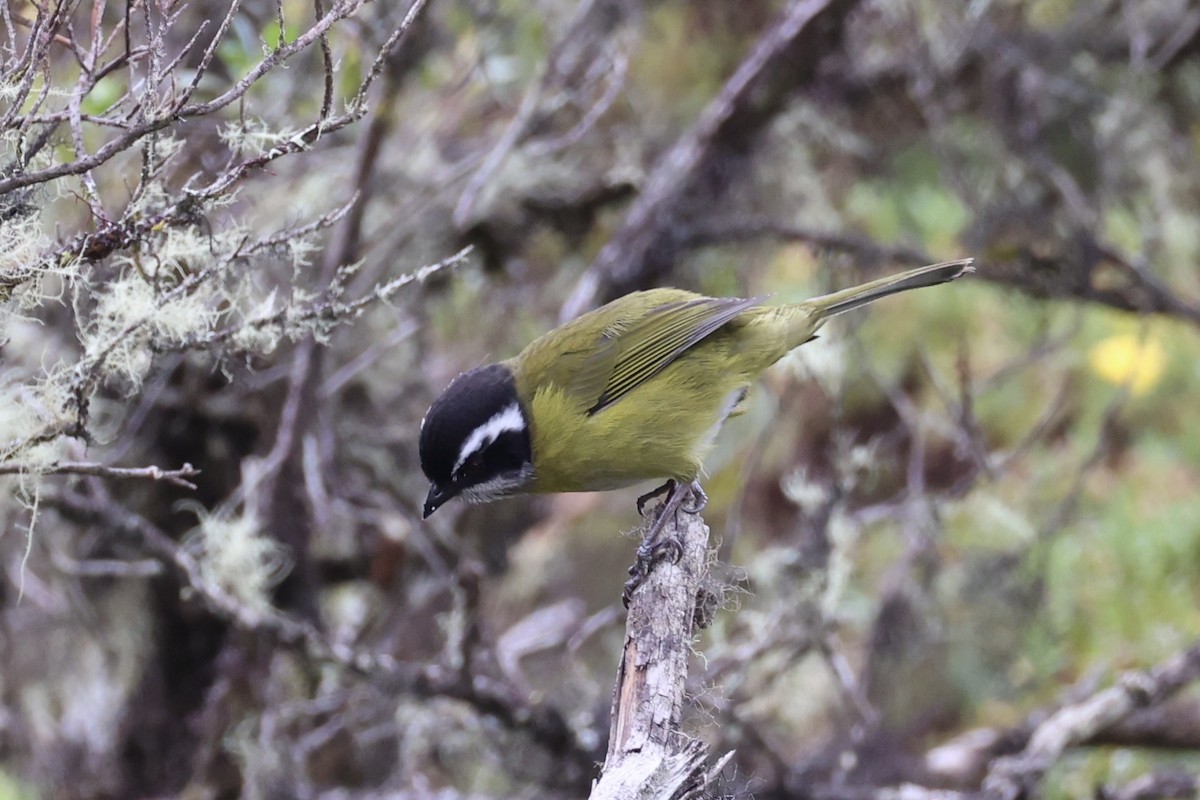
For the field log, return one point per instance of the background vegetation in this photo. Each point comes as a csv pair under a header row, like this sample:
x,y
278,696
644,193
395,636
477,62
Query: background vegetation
x,y
232,278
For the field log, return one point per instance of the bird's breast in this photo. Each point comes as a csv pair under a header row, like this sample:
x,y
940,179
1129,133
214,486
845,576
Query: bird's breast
x,y
654,433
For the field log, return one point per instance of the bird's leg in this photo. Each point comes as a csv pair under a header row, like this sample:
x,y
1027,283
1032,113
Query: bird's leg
x,y
657,491
655,547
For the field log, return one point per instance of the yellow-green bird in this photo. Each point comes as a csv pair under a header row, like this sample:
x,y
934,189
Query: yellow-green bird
x,y
634,391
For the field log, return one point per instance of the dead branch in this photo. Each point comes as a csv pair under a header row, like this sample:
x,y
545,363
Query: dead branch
x,y
586,32
747,229
963,761
178,477
648,755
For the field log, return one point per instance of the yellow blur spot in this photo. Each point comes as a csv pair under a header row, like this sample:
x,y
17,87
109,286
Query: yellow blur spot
x,y
1129,359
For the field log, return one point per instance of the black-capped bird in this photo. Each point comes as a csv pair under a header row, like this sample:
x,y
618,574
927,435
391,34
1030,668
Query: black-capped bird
x,y
633,391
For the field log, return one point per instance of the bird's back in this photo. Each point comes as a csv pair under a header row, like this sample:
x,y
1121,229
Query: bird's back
x,y
670,402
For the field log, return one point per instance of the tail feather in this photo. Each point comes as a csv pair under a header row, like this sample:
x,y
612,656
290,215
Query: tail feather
x,y
786,327
829,305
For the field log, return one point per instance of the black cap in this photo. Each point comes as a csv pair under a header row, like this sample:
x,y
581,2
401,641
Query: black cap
x,y
475,433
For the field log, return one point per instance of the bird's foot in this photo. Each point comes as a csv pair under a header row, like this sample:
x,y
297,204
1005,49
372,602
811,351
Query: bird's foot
x,y
657,491
699,500
638,571
655,546
669,549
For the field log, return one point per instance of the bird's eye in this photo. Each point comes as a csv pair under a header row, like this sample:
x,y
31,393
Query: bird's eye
x,y
473,463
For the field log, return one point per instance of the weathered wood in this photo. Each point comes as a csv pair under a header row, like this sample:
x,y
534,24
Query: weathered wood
x,y
648,755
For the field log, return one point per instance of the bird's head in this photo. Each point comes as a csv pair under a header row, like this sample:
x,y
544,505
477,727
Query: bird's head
x,y
475,439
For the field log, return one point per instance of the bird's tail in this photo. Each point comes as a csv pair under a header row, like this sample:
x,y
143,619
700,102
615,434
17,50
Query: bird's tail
x,y
829,305
802,321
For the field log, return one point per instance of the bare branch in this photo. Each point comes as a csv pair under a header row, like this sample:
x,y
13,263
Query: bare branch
x,y
177,477
181,109
1155,786
1017,776
329,312
561,63
730,231
648,756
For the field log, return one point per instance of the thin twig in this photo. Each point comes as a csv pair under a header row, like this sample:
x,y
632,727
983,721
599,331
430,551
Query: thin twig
x,y
178,477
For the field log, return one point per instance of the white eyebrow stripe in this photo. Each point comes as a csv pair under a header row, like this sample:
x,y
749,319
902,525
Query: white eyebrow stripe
x,y
510,419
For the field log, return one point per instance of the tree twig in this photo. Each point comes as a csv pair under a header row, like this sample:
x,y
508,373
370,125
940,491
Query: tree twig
x,y
178,477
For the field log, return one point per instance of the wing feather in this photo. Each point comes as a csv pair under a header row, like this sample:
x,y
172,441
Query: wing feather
x,y
632,353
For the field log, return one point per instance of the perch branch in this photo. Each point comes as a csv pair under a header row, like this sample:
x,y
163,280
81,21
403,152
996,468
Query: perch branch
x,y
648,755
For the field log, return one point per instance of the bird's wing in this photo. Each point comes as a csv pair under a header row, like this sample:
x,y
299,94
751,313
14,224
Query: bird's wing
x,y
631,352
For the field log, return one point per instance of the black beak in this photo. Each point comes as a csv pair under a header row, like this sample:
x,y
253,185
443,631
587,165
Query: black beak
x,y
436,498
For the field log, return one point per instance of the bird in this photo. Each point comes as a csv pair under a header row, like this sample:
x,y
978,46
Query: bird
x,y
633,391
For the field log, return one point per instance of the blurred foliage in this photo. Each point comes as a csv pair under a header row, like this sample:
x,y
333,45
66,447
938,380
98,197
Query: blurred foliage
x,y
12,789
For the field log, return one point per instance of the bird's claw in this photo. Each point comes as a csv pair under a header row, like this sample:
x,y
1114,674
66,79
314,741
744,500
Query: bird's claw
x,y
669,550
649,554
638,573
657,491
699,500
655,547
